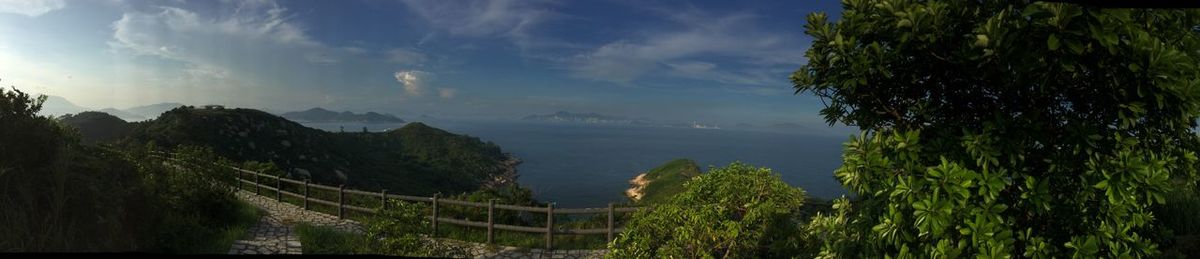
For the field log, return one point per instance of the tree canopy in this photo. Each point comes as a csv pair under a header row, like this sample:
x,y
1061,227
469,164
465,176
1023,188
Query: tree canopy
x,y
1001,128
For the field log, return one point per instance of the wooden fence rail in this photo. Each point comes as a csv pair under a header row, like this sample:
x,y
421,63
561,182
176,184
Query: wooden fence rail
x,y
549,230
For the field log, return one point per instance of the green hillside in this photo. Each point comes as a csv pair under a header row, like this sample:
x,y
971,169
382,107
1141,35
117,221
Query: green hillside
x,y
415,159
97,126
666,180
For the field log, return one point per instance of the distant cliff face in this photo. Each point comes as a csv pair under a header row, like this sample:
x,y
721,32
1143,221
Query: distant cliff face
x,y
415,159
323,115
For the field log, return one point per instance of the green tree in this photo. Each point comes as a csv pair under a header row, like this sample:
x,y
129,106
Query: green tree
x,y
1002,128
59,195
738,210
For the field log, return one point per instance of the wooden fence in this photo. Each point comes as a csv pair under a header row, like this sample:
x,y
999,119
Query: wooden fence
x,y
549,231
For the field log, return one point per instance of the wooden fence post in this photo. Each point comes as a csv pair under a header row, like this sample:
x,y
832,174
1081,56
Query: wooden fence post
x,y
278,189
238,179
256,191
610,222
491,221
305,194
549,226
341,201
435,215
383,199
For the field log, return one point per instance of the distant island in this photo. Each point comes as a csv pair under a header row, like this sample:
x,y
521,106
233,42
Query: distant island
x,y
582,117
322,115
596,118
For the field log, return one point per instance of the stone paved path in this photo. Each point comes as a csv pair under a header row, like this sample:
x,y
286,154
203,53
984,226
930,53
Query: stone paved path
x,y
275,234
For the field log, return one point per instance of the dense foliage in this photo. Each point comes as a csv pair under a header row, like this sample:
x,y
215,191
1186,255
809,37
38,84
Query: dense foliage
x,y
738,210
1001,128
60,195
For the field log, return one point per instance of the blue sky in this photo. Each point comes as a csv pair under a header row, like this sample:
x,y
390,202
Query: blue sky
x,y
718,61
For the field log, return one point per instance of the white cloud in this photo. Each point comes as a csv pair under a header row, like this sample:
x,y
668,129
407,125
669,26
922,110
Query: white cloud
x,y
447,93
413,81
253,52
734,39
406,57
31,8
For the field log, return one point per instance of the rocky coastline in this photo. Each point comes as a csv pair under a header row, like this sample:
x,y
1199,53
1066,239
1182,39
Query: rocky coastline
x,y
635,187
506,178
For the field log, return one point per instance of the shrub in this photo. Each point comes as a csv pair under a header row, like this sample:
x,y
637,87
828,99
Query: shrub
x,y
738,210
1002,128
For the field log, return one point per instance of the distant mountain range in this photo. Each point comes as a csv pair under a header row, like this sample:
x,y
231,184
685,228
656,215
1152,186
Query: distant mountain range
x,y
323,115
57,106
151,111
124,115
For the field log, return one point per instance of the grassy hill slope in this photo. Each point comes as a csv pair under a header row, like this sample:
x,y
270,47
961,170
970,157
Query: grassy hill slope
x,y
415,159
660,183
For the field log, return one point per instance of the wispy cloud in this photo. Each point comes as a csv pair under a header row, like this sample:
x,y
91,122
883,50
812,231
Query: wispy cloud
x,y
406,57
729,49
515,20
31,8
253,50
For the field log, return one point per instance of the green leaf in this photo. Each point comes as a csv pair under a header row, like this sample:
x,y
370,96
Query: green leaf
x,y
1052,42
981,41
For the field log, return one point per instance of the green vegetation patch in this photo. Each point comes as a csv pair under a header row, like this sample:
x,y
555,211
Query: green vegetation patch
x,y
735,210
328,240
666,180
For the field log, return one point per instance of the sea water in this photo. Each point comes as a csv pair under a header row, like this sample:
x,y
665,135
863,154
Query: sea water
x,y
590,165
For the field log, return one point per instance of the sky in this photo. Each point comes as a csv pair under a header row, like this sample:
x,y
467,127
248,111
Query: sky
x,y
722,62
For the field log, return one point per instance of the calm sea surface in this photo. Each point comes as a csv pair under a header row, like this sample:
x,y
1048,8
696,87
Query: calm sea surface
x,y
589,165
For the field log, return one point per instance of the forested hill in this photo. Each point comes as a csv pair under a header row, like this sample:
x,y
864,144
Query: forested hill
x,y
415,159
97,126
